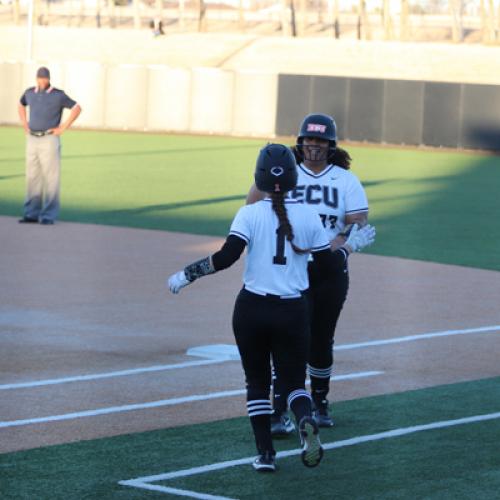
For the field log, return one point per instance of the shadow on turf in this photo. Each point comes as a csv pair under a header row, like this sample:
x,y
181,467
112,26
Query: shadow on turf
x,y
180,204
7,177
451,220
143,152
159,151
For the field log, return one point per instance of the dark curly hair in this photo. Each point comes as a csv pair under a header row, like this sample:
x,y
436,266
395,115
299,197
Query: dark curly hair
x,y
339,157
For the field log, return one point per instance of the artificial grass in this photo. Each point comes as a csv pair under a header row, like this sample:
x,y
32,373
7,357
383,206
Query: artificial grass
x,y
438,206
458,462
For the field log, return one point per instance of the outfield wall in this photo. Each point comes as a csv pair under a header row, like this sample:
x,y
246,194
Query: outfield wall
x,y
209,100
455,115
154,98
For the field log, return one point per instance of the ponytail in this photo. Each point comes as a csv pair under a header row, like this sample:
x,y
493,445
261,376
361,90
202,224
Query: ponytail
x,y
279,208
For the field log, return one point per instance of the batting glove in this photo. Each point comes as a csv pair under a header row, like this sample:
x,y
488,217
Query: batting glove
x,y
360,238
177,282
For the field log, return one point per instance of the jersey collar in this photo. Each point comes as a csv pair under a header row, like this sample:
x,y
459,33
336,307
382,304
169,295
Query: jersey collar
x,y
47,91
312,174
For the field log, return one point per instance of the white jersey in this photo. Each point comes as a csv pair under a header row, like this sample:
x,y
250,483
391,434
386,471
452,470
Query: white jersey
x,y
272,266
333,194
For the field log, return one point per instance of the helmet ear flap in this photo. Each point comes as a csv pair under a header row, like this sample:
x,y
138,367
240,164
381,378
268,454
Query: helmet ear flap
x,y
298,151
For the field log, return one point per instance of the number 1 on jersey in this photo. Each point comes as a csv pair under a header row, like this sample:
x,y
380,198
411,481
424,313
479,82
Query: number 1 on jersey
x,y
280,258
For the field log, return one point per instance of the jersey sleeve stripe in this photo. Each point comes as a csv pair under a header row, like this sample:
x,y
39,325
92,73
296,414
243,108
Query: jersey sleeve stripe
x,y
240,235
365,209
344,251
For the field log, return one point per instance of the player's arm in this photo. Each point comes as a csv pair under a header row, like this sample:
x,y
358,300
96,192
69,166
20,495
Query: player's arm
x,y
254,195
358,238
229,253
356,208
359,218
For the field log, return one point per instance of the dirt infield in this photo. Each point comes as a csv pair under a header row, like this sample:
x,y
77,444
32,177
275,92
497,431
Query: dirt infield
x,y
79,300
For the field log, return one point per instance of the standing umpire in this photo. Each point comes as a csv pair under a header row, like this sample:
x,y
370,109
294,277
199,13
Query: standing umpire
x,y
43,146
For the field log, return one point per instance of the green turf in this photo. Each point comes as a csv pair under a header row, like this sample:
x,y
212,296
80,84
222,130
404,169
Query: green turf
x,y
430,205
459,463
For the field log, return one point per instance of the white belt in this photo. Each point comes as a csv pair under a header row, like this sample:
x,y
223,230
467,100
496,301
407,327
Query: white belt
x,y
265,294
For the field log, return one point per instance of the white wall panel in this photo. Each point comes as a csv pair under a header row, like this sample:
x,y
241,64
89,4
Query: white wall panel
x,y
255,103
126,97
85,82
211,100
11,90
169,102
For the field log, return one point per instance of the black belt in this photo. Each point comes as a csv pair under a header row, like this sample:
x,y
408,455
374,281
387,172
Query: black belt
x,y
40,133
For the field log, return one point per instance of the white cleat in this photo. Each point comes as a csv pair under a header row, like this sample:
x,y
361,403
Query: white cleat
x,y
265,462
312,451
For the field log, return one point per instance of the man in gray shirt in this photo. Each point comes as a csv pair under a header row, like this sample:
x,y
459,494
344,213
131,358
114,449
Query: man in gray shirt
x,y
43,146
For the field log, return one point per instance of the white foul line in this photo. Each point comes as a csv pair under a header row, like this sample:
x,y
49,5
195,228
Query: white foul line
x,y
174,491
413,338
222,359
156,404
121,373
144,482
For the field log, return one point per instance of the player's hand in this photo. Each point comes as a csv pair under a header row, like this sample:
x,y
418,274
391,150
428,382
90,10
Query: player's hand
x,y
360,238
177,282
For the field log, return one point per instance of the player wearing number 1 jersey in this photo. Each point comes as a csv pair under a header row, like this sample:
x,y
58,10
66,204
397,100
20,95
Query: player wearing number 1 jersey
x,y
270,317
326,185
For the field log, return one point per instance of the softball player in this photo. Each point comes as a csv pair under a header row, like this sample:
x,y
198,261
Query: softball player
x,y
324,183
270,316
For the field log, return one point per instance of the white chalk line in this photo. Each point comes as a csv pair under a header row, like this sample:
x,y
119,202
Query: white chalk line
x,y
145,481
413,338
157,404
175,491
190,364
120,373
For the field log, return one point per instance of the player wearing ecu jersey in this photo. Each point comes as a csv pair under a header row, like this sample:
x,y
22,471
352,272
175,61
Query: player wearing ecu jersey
x,y
270,317
326,185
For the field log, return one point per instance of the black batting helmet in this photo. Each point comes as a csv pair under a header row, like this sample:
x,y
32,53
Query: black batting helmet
x,y
318,125
276,169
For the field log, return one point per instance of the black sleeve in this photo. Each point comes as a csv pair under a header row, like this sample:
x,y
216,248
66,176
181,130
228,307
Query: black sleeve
x,y
229,253
225,257
329,262
23,100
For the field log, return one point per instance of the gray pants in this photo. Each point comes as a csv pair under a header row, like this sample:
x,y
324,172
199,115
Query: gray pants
x,y
43,168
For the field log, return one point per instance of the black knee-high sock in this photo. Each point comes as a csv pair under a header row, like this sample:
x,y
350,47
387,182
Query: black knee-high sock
x,y
259,411
300,403
320,383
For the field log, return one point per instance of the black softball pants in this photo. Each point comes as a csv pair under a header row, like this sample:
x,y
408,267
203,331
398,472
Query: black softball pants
x,y
326,300
268,328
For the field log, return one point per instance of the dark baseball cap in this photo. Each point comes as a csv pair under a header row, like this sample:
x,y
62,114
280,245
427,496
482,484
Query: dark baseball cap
x,y
43,72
